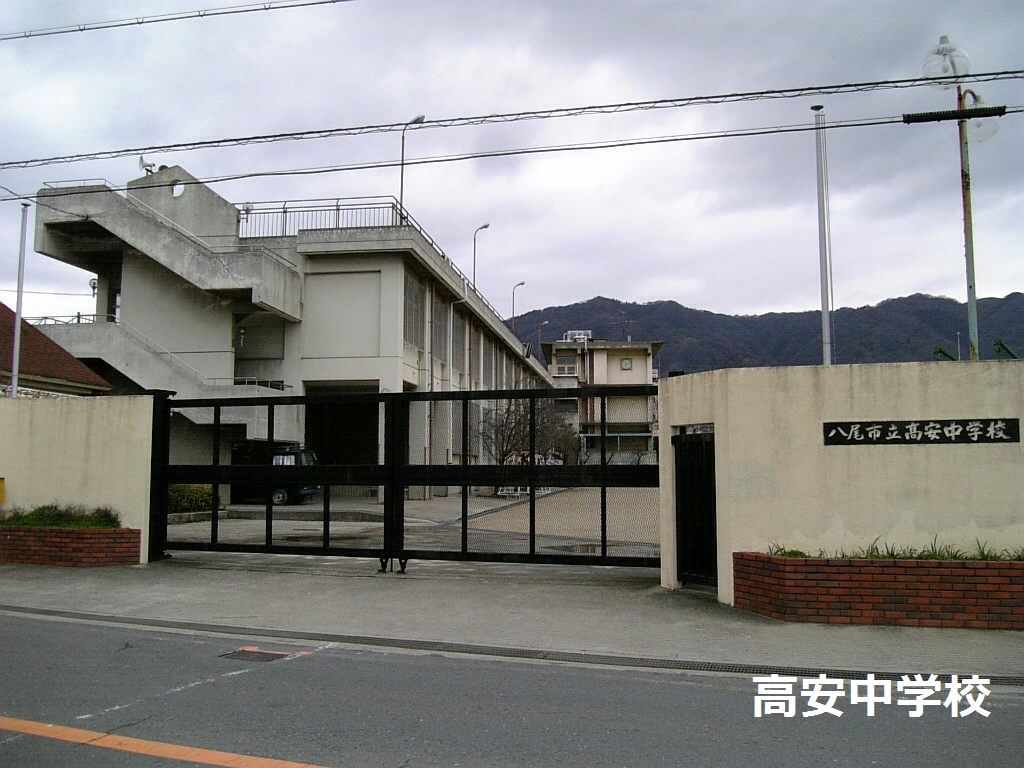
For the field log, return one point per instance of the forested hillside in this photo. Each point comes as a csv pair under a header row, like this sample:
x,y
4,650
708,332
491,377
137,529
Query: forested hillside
x,y
896,330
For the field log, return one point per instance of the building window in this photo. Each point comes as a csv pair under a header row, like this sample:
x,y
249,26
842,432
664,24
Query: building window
x,y
415,311
439,329
459,342
565,365
474,352
487,362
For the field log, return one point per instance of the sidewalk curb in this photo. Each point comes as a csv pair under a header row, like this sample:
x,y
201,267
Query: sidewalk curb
x,y
470,649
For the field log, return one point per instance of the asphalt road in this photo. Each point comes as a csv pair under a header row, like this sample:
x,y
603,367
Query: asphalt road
x,y
347,707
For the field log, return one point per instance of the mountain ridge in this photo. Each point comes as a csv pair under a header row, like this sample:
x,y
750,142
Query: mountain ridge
x,y
904,329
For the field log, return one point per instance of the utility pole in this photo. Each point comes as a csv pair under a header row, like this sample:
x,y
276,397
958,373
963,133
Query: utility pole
x,y
16,361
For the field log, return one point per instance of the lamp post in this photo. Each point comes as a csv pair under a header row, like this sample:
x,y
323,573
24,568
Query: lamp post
x,y
951,61
401,170
475,233
521,282
540,352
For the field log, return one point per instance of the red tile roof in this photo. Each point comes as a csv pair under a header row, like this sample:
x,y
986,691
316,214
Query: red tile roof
x,y
44,364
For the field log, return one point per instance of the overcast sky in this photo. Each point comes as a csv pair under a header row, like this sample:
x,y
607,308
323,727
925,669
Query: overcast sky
x,y
728,225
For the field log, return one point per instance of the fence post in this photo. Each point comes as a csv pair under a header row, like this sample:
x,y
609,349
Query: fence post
x,y
533,472
160,455
268,520
464,460
396,456
604,475
215,496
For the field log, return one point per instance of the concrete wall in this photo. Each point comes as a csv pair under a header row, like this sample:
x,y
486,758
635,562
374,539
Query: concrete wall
x,y
93,452
351,331
184,320
776,481
177,195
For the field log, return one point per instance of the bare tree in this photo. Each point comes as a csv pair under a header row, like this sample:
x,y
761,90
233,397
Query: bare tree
x,y
504,430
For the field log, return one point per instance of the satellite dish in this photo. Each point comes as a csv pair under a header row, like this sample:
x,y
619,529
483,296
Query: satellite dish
x,y
144,166
946,60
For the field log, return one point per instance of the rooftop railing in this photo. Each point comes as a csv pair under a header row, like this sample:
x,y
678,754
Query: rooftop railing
x,y
78,183
287,217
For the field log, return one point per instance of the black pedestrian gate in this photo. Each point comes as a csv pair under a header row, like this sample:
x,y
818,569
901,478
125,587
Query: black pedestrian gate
x,y
696,529
541,476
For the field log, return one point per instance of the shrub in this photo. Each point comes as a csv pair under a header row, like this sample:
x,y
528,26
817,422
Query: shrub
x,y
189,498
54,516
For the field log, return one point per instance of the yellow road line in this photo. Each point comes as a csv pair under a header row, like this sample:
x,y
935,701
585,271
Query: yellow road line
x,y
145,747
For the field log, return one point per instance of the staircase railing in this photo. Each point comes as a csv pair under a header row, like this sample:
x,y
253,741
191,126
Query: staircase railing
x,y
153,346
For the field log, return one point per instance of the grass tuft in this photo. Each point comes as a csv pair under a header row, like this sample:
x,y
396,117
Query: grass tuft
x,y
931,551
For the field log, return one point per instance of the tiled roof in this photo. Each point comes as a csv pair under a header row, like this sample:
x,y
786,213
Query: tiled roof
x,y
44,364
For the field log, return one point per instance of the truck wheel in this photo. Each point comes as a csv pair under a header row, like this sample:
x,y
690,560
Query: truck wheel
x,y
279,496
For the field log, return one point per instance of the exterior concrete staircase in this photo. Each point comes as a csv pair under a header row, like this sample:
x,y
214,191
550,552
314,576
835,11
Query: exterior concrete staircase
x,y
152,367
273,283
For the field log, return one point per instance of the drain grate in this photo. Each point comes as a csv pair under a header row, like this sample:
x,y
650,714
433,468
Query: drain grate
x,y
252,653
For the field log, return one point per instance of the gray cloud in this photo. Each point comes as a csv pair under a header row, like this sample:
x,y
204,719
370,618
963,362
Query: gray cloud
x,y
727,225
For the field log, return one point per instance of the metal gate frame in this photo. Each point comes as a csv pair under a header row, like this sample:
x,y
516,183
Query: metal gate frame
x,y
395,475
696,512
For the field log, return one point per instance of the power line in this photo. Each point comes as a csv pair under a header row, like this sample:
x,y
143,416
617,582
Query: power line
x,y
32,199
45,293
509,117
268,5
611,144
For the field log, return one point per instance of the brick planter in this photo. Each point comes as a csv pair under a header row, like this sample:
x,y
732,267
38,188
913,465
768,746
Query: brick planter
x,y
70,546
916,593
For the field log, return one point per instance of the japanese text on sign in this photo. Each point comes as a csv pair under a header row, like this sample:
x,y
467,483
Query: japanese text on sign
x,y
923,432
822,695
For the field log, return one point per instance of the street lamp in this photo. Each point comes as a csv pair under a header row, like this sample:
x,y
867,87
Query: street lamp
x,y
521,282
540,352
401,171
482,226
951,61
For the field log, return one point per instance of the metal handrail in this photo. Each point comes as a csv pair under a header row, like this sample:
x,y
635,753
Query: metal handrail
x,y
285,218
127,196
278,220
156,348
1003,352
76,319
248,247
138,335
251,381
78,183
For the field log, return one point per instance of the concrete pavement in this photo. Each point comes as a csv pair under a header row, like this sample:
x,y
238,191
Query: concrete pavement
x,y
604,615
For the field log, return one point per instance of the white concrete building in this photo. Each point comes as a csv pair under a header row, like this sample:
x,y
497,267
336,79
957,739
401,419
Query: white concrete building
x,y
579,359
209,299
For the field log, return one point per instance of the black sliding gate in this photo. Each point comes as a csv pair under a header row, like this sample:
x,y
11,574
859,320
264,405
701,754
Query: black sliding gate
x,y
541,476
